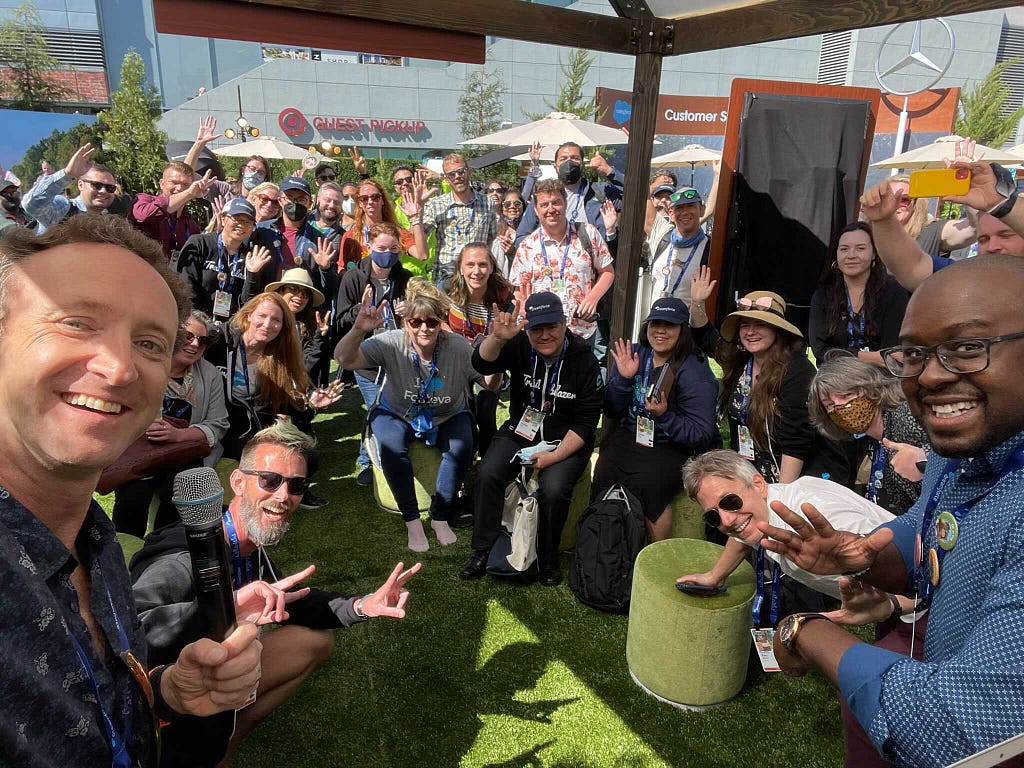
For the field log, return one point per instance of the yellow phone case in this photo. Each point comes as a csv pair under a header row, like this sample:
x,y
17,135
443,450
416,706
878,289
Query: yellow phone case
x,y
941,182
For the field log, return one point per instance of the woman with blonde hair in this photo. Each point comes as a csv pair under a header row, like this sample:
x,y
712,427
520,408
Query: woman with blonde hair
x,y
428,375
265,198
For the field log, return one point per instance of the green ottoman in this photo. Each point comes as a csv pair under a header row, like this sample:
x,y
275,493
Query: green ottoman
x,y
685,650
580,501
687,518
426,461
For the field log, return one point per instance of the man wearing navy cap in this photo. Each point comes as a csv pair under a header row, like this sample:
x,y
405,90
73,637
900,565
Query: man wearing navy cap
x,y
555,399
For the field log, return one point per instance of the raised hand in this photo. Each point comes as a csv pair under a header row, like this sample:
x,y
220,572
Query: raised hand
x,y
263,603
609,215
323,255
535,150
218,206
198,188
391,597
79,162
257,259
627,361
421,189
507,240
207,130
599,164
357,160
369,318
862,604
323,322
506,325
816,546
411,204
701,284
325,396
879,202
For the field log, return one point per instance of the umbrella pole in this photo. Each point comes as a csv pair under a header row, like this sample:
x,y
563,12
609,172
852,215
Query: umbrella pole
x,y
693,167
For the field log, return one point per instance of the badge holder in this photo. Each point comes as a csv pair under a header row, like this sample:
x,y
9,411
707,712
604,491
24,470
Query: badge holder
x,y
764,644
645,431
530,423
746,442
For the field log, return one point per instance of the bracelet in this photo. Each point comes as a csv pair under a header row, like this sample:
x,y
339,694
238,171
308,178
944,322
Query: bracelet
x,y
897,609
415,221
357,607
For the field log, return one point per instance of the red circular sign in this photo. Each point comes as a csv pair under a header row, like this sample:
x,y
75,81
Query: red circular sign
x,y
292,122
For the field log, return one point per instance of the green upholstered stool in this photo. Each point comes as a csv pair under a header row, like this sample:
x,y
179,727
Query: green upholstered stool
x,y
224,469
426,460
687,518
580,501
686,650
130,544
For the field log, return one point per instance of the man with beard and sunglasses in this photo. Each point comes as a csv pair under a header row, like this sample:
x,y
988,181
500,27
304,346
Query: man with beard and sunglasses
x,y
267,485
97,189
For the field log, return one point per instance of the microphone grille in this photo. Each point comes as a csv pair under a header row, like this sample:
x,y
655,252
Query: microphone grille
x,y
198,496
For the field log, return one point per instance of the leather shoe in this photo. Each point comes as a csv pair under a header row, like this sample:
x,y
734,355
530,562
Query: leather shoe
x,y
476,567
550,577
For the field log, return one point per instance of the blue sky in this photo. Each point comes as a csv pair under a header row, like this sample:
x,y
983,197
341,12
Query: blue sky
x,y
19,130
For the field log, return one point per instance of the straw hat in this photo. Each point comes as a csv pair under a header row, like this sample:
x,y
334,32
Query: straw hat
x,y
763,306
298,277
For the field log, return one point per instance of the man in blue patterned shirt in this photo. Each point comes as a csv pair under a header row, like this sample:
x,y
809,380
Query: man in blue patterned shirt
x,y
960,360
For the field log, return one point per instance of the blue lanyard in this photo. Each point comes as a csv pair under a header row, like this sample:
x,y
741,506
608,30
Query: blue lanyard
x,y
245,369
746,384
242,566
879,458
118,741
223,266
924,585
565,256
682,271
459,232
174,235
856,339
638,392
422,394
774,601
552,376
579,202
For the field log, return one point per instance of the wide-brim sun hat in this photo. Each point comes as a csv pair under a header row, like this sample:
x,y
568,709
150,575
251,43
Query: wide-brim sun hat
x,y
298,277
765,307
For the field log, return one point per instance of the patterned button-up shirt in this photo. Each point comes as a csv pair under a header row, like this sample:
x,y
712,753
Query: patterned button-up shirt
x,y
50,716
968,692
457,223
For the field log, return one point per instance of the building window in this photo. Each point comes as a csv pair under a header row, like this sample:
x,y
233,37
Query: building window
x,y
835,57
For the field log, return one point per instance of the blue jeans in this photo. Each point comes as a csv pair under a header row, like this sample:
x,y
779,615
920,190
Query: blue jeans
x,y
368,389
455,440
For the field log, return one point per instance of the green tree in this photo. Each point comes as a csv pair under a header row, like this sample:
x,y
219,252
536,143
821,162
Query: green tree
x,y
482,102
571,91
27,82
983,116
134,146
58,148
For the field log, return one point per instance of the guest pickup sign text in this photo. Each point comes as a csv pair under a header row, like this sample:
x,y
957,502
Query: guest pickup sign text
x,y
295,124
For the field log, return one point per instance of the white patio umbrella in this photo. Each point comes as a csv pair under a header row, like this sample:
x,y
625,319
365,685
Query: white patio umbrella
x,y
691,155
552,130
932,155
265,146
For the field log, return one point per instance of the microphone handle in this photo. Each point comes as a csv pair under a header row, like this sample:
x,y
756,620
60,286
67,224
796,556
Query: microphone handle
x,y
211,575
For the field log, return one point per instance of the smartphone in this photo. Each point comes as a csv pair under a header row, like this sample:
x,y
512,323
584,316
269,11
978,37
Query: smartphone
x,y
941,182
691,588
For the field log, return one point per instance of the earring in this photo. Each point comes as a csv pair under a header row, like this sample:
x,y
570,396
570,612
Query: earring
x,y
835,264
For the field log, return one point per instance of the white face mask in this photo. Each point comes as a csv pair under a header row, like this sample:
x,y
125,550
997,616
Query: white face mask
x,y
348,206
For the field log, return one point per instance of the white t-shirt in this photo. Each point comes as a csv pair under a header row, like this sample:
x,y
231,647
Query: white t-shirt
x,y
844,510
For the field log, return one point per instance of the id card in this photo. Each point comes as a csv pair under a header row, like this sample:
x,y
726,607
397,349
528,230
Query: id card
x,y
557,286
645,431
746,443
175,258
763,639
222,304
529,425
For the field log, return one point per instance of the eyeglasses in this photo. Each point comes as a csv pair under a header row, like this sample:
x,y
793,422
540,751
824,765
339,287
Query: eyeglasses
x,y
242,222
731,502
685,194
497,190
200,340
455,173
956,356
271,481
417,322
376,197
99,185
765,302
402,180
267,200
326,177
512,204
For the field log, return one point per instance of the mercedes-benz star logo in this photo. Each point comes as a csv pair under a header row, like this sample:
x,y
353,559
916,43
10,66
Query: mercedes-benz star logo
x,y
914,60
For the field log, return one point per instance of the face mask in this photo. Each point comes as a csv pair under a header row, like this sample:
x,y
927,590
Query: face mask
x,y
348,206
385,259
295,211
513,221
252,179
570,172
9,205
856,416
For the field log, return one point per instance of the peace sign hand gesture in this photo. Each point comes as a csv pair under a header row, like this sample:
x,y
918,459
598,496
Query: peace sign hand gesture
x,y
506,324
323,322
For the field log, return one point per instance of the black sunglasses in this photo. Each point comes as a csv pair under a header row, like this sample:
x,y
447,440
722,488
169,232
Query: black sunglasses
x,y
271,481
403,180
326,177
731,502
430,322
200,340
99,185
501,190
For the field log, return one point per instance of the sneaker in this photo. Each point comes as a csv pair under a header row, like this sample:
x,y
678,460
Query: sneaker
x,y
463,520
365,476
311,501
550,577
476,567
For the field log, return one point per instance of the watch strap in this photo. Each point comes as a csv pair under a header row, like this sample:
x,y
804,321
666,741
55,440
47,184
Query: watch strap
x,y
797,621
1006,186
1004,207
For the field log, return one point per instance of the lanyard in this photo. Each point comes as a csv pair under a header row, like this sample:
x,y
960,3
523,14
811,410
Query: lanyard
x,y
422,396
460,233
682,271
245,369
550,378
879,457
174,235
641,390
565,255
579,202
746,384
242,566
773,611
856,339
118,741
224,267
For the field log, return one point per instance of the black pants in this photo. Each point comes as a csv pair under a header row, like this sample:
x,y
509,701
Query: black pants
x,y
132,500
486,418
496,470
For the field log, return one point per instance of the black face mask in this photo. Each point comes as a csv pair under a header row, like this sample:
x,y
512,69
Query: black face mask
x,y
570,172
295,211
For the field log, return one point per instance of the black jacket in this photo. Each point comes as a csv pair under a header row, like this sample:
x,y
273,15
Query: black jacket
x,y
578,391
889,315
350,292
200,262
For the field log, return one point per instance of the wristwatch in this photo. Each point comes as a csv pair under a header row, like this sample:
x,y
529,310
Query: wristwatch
x,y
789,627
1005,186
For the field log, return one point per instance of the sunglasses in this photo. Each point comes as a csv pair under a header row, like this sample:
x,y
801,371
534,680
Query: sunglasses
x,y
497,190
267,200
905,200
326,177
512,204
401,180
417,322
271,481
685,194
456,173
200,340
731,502
376,197
765,302
99,185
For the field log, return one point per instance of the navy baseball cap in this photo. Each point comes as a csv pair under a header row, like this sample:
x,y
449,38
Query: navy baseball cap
x,y
295,182
669,310
663,188
542,308
239,206
682,196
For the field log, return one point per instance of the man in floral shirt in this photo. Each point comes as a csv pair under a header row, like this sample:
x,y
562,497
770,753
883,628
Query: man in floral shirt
x,y
557,258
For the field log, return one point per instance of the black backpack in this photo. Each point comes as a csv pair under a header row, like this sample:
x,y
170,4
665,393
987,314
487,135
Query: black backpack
x,y
609,535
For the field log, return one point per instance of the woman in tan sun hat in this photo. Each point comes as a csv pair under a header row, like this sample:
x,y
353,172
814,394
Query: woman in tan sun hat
x,y
313,325
765,382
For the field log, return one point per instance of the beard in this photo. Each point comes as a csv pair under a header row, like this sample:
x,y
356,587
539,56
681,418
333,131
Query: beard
x,y
260,532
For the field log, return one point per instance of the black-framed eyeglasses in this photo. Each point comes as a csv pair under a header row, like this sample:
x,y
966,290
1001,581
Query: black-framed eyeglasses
x,y
326,177
731,502
403,180
959,356
456,172
685,195
271,481
200,340
100,186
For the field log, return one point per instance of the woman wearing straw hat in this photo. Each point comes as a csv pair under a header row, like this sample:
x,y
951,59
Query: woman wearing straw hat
x,y
313,327
766,378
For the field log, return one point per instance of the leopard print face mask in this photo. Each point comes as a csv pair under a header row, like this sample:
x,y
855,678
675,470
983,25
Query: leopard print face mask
x,y
855,416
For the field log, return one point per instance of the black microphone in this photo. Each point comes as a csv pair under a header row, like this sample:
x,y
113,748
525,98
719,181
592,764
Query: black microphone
x,y
198,497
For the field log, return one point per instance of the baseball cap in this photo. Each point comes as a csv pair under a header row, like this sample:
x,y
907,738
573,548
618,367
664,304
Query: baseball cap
x,y
544,307
295,182
239,206
684,196
669,310
662,188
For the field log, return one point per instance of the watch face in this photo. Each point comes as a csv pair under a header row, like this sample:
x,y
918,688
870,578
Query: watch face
x,y
786,631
